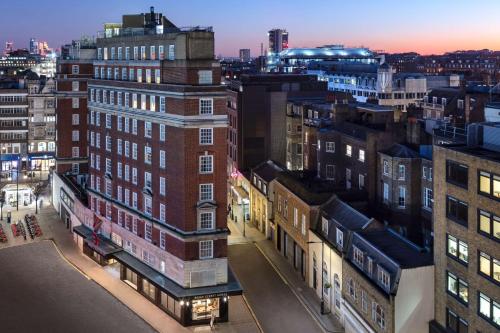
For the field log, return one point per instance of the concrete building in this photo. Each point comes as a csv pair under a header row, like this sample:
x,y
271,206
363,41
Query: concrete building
x,y
375,82
42,122
262,197
298,201
13,129
245,55
467,233
386,284
75,68
157,129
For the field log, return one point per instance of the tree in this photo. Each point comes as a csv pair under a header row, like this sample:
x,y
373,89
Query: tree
x,y
36,190
2,202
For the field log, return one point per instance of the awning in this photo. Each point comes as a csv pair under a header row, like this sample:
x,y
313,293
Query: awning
x,y
41,156
9,157
232,287
105,247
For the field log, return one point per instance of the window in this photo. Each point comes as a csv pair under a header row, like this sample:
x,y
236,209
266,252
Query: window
x,y
489,266
358,257
126,172
303,225
364,301
386,168
206,164
108,143
489,224
75,103
163,163
340,238
384,278
134,126
171,52
457,287
152,103
162,104
361,182
205,77
75,69
206,220
148,156
386,192
330,147
108,121
143,53
361,156
152,53
75,85
134,150
348,150
489,309
206,192
134,225
161,52
455,323
206,106
147,179
75,152
162,186
401,172
75,135
457,210
206,249
324,226
457,249
163,237
148,205
457,174
206,136
157,76
489,184
108,165
369,268
149,232
119,170
119,146
330,171
148,129
428,198
351,289
402,197
162,132
378,315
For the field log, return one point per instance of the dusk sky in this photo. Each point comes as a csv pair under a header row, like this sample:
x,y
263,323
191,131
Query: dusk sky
x,y
425,26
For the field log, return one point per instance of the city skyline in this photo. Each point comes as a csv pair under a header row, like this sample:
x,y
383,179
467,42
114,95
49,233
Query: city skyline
x,y
316,25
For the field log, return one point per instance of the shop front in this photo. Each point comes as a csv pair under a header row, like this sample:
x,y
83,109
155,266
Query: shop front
x,y
189,306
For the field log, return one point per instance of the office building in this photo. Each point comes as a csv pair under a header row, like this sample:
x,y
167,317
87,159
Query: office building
x,y
467,232
245,55
278,40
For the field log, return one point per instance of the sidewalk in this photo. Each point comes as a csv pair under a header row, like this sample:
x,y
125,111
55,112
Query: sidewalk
x,y
306,295
236,236
240,317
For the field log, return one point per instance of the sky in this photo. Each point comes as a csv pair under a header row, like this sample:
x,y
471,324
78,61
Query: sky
x,y
424,26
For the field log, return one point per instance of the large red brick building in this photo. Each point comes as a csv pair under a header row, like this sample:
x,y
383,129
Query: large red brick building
x,y
74,68
157,149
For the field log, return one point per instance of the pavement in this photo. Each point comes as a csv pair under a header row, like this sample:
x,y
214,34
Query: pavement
x,y
240,316
278,296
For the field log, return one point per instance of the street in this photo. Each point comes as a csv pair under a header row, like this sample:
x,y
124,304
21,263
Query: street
x,y
274,304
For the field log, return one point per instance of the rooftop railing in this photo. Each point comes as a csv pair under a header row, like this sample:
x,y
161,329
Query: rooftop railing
x,y
127,32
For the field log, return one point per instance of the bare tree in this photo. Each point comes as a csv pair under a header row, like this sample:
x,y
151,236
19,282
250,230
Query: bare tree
x,y
36,190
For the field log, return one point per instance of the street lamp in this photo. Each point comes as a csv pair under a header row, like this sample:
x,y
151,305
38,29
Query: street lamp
x,y
322,304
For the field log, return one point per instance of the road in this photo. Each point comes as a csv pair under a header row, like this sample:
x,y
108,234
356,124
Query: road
x,y
275,306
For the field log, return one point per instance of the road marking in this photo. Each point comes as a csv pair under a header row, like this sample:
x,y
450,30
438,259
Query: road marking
x,y
253,314
276,269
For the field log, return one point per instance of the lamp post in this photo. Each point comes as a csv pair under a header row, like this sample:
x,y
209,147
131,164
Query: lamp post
x,y
322,304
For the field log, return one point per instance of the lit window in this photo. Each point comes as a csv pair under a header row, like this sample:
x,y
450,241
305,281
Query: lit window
x,y
361,155
330,147
348,150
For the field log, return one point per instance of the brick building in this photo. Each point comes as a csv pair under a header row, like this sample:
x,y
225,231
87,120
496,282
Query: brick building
x,y
386,282
467,233
157,128
74,69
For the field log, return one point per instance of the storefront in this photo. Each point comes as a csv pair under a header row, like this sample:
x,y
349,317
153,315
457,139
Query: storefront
x,y
193,306
23,191
41,161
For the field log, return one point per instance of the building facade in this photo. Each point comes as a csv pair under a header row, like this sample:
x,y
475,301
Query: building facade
x,y
157,129
74,70
466,233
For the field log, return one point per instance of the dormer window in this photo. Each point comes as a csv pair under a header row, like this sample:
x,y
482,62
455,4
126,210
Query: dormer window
x,y
358,256
384,278
340,238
